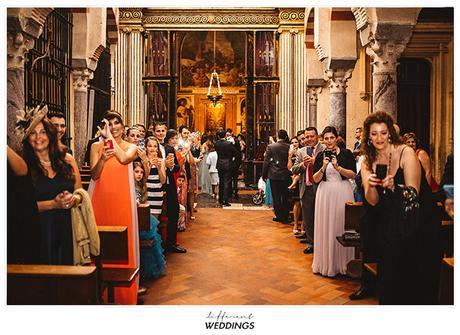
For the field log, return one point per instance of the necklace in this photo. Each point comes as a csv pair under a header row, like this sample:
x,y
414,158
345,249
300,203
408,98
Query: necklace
x,y
389,161
45,163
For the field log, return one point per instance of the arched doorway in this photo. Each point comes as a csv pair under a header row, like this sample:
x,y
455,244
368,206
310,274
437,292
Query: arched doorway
x,y
414,75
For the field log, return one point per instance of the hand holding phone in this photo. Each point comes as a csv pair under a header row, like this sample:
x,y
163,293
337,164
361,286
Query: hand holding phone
x,y
381,171
108,144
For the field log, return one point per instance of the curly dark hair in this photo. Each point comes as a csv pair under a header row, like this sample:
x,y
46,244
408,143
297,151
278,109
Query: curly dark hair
x,y
366,147
56,153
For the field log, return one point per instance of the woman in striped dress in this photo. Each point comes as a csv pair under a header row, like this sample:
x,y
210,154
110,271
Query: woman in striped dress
x,y
154,166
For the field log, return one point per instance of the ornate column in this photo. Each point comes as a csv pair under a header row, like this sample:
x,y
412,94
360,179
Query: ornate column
x,y
338,98
135,88
313,92
384,54
300,82
80,86
24,26
120,100
286,99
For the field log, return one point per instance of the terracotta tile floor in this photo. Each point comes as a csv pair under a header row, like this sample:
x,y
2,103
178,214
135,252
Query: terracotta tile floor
x,y
242,257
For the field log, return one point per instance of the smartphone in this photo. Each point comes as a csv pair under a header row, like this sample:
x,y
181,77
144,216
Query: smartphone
x,y
141,143
328,154
108,144
381,171
309,151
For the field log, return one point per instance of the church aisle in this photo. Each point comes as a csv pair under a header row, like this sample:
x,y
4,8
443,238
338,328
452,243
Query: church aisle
x,y
241,257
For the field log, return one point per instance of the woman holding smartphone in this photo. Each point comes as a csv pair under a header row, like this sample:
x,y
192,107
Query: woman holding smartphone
x,y
294,187
402,206
332,169
113,193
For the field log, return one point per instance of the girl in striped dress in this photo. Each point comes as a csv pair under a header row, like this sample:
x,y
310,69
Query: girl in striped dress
x,y
154,165
153,263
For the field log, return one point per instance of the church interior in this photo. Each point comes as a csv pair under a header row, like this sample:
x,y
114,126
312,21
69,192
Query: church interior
x,y
266,69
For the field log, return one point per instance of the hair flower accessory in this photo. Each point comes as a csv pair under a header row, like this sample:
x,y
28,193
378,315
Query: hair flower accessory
x,y
27,120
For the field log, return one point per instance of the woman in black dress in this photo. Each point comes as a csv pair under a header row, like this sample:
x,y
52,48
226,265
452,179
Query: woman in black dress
x,y
55,175
399,201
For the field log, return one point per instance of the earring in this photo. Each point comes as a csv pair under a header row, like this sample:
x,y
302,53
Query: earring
x,y
389,139
369,143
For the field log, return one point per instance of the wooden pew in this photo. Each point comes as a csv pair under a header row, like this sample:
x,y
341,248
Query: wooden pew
x,y
447,237
354,211
114,247
446,287
51,285
371,267
143,216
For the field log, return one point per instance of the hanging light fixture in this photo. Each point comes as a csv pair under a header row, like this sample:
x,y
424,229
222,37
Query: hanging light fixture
x,y
216,96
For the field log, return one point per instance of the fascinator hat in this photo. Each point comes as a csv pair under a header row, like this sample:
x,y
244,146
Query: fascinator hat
x,y
27,120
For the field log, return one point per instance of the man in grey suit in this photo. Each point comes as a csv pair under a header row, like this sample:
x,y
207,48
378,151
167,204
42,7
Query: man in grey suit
x,y
275,168
304,167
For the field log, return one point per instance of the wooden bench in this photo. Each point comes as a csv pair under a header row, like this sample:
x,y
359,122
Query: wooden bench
x,y
51,285
114,247
143,217
447,237
446,287
354,212
371,267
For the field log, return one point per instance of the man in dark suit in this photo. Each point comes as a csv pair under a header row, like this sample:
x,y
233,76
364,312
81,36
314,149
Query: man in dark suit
x,y
237,162
170,188
304,167
226,153
358,134
275,168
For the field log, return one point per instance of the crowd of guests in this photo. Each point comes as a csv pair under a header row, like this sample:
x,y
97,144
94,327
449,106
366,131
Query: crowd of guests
x,y
130,167
315,175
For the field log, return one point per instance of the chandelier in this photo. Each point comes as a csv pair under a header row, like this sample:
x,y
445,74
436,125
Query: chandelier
x,y
217,95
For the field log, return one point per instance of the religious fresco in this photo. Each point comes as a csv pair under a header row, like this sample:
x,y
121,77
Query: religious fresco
x,y
215,117
185,113
197,58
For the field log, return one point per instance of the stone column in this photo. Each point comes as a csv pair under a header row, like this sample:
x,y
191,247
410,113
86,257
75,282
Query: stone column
x,y
80,85
313,92
120,82
24,26
338,99
384,54
135,88
286,98
18,45
300,82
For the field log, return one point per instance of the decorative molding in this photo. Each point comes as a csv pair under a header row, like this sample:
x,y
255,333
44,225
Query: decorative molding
x,y
81,77
292,15
313,92
18,45
385,54
98,52
131,14
362,20
320,52
201,18
218,19
338,80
